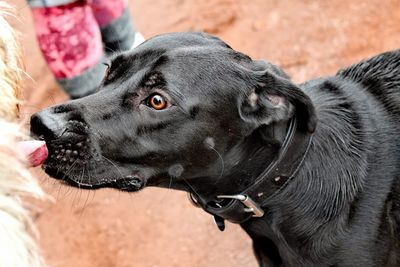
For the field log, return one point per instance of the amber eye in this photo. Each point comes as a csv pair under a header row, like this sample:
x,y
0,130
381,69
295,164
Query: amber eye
x,y
157,102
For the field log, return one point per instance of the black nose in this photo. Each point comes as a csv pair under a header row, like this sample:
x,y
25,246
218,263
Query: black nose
x,y
47,125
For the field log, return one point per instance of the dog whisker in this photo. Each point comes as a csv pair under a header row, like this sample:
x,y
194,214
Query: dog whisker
x,y
113,164
69,190
170,182
79,192
69,170
59,187
87,196
82,209
90,180
222,162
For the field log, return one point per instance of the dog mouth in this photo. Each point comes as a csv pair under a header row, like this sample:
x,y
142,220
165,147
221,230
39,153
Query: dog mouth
x,y
74,157
70,176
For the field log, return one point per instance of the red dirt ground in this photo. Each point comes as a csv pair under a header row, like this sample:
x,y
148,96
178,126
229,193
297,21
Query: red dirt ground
x,y
160,228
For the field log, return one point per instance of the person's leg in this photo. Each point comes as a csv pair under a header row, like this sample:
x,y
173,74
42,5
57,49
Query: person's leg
x,y
116,25
70,40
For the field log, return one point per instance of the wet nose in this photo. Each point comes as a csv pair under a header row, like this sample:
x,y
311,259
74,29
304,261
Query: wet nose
x,y
47,125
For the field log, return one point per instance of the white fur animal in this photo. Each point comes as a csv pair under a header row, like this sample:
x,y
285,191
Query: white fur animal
x,y
17,246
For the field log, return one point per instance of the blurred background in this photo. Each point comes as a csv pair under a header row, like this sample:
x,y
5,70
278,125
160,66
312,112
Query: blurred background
x,y
157,227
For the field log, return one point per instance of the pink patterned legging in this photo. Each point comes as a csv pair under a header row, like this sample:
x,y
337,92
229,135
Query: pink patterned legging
x,y
69,35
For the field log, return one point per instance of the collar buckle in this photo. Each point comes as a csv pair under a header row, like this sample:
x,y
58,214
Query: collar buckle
x,y
250,205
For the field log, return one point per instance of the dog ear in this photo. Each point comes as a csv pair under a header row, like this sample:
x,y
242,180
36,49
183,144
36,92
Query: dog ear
x,y
275,98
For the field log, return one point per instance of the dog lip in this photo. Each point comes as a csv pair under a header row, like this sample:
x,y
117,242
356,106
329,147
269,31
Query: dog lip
x,y
129,183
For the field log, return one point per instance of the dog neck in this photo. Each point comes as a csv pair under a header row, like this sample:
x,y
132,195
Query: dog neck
x,y
244,204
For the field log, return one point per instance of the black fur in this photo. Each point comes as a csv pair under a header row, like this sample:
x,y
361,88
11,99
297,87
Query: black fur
x,y
341,209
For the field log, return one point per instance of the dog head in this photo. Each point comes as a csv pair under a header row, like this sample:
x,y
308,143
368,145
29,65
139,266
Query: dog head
x,y
180,107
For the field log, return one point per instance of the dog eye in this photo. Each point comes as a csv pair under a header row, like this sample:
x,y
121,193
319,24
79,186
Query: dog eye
x,y
157,102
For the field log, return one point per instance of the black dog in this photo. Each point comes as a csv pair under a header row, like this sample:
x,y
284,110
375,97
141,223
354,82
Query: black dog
x,y
311,172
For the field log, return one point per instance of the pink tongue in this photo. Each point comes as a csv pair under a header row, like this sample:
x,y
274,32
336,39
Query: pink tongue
x,y
35,151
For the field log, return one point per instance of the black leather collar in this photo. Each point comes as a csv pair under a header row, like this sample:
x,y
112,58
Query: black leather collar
x,y
252,201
